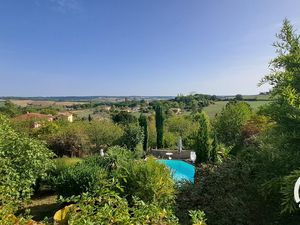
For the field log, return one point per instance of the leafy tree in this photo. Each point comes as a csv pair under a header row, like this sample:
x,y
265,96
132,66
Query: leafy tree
x,y
285,111
159,118
144,124
229,122
103,134
239,97
203,140
285,81
133,135
214,98
184,127
124,118
71,139
23,160
170,140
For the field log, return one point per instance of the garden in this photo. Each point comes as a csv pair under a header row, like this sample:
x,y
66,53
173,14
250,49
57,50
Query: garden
x,y
94,171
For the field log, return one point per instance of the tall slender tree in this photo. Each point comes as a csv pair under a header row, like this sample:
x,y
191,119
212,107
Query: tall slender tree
x,y
159,119
203,143
144,124
213,154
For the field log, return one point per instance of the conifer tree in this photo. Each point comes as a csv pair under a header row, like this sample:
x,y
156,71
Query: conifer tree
x,y
203,142
144,124
159,119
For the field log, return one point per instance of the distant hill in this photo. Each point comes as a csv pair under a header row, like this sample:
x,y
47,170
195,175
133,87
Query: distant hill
x,y
260,97
85,98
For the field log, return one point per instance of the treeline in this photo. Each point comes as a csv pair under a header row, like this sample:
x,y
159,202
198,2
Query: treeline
x,y
12,110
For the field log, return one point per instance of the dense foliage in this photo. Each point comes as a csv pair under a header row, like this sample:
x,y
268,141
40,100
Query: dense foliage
x,y
117,188
149,181
144,125
159,119
124,118
203,140
79,178
23,160
104,134
228,124
133,135
256,185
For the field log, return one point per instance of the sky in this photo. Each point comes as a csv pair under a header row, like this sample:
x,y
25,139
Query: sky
x,y
138,47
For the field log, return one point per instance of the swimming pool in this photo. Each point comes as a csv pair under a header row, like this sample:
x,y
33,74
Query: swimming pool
x,y
180,169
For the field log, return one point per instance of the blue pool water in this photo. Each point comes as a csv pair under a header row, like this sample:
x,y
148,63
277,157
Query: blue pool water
x,y
181,170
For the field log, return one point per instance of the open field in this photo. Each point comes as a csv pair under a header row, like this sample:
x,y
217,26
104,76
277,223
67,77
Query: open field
x,y
213,109
24,103
84,113
257,97
247,97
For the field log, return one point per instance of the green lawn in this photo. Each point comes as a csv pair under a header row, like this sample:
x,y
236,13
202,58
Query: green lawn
x,y
212,109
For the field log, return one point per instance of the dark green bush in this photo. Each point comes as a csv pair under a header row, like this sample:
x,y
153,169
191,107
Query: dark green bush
x,y
80,178
224,193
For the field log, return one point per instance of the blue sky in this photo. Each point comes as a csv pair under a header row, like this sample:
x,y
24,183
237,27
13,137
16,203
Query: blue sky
x,y
138,47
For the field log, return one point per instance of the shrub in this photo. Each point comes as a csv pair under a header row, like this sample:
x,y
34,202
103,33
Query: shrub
x,y
65,162
198,217
61,164
119,154
131,192
150,181
23,160
80,178
224,193
109,208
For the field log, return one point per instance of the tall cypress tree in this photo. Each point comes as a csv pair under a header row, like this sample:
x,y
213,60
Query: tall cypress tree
x,y
203,146
213,155
159,119
144,124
